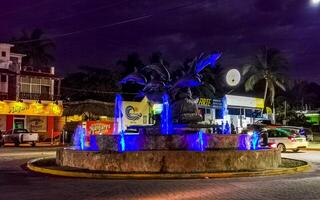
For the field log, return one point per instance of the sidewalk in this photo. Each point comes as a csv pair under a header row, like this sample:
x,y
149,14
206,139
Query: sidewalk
x,y
315,146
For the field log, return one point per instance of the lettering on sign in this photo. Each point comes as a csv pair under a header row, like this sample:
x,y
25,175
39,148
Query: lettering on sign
x,y
204,102
132,113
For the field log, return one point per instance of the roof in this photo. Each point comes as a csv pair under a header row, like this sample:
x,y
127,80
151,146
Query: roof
x,y
6,71
40,74
98,108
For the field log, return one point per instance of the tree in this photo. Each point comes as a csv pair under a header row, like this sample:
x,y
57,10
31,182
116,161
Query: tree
x,y
267,66
90,83
35,46
156,81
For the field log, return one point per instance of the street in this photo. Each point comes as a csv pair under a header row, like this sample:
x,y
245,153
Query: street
x,y
17,183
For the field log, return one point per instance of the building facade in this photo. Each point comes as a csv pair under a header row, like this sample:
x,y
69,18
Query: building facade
x,y
29,95
237,110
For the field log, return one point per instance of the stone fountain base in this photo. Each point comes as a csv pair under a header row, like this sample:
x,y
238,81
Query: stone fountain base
x,y
170,161
186,142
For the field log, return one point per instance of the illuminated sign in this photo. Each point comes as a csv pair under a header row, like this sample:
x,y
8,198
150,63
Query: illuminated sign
x,y
99,127
35,108
204,102
135,113
241,101
213,103
157,108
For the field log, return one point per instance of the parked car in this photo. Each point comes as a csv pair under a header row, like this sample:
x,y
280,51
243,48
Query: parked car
x,y
300,130
284,139
19,136
264,121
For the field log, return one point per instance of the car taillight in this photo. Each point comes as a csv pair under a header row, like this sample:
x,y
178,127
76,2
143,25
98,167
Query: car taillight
x,y
292,139
273,145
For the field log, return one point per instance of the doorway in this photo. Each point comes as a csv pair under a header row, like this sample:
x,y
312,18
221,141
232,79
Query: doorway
x,y
19,123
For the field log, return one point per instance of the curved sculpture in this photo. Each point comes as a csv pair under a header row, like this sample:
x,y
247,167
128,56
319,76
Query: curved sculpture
x,y
158,81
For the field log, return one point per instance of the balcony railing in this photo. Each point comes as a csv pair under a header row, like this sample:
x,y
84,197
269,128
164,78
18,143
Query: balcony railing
x,y
37,96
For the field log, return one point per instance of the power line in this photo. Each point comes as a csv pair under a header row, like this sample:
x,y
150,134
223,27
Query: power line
x,y
96,91
134,19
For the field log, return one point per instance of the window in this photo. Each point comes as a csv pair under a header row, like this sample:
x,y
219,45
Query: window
x,y
25,88
234,111
208,111
3,54
3,78
219,114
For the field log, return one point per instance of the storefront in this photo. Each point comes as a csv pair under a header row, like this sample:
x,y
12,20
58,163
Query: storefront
x,y
243,110
210,110
237,110
41,117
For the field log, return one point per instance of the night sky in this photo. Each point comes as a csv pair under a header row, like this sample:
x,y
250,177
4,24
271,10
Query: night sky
x,y
99,32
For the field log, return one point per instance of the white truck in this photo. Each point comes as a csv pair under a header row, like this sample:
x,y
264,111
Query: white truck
x,y
19,136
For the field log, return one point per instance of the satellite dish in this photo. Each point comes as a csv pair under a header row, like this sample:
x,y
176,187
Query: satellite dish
x,y
233,77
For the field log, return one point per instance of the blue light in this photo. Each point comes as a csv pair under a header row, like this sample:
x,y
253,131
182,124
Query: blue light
x,y
209,60
166,116
93,143
224,112
243,143
122,142
118,116
118,122
79,138
255,140
226,128
200,139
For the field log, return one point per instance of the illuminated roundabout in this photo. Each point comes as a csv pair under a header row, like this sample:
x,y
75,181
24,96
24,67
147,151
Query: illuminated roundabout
x,y
177,153
176,146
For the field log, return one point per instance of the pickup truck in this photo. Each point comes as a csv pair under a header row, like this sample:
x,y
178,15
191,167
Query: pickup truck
x,y
19,136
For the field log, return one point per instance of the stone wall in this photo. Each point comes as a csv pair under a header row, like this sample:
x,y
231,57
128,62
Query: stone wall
x,y
170,161
166,142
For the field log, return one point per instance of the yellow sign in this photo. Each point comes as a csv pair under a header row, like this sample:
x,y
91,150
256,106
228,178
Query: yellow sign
x,y
136,113
259,103
204,102
35,108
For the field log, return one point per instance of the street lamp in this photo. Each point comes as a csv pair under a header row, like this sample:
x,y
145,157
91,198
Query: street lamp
x,y
233,77
315,2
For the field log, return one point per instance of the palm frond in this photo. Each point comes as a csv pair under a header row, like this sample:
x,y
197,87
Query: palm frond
x,y
280,85
252,81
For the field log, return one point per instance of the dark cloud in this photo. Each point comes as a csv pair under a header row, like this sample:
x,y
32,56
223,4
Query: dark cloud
x,y
179,29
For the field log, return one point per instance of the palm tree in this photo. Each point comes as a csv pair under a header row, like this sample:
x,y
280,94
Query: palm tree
x,y
267,66
156,81
36,47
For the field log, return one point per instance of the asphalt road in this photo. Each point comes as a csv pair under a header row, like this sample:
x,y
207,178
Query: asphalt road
x,y
17,183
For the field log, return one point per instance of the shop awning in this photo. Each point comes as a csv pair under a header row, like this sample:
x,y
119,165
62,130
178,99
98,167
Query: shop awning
x,y
93,107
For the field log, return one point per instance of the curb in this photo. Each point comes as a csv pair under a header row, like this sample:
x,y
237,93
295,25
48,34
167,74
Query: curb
x,y
312,149
282,171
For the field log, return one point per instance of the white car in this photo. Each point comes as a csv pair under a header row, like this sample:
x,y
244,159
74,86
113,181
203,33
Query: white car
x,y
18,136
300,130
284,139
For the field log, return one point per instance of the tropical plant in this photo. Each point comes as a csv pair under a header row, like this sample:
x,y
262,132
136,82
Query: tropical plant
x,y
156,81
35,46
156,78
90,83
267,66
